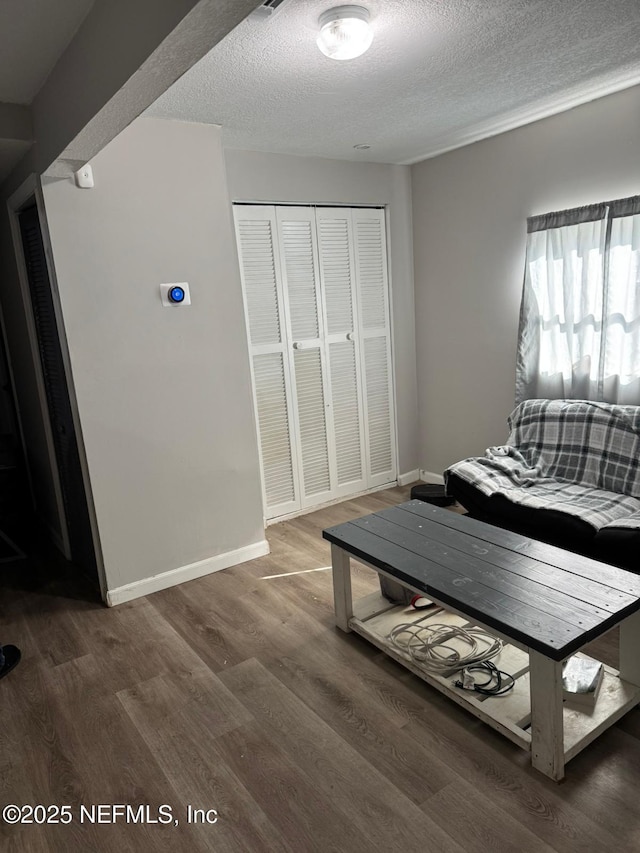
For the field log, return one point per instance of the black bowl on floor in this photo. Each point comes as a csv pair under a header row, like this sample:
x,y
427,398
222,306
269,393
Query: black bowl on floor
x,y
432,493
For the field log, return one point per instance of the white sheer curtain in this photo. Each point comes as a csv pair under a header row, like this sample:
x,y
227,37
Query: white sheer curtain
x,y
621,370
579,332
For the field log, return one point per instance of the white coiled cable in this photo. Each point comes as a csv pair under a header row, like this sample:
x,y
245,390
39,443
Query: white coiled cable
x,y
428,645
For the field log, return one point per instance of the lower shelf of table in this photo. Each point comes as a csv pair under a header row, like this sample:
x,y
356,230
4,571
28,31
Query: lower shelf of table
x,y
374,617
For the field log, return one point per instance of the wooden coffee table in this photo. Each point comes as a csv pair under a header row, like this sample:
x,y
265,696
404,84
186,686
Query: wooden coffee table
x,y
543,602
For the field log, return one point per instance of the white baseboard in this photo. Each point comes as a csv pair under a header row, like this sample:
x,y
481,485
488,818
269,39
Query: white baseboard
x,y
186,573
430,477
409,477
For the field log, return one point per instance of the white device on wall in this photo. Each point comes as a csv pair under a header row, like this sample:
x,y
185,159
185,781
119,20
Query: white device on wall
x,y
175,295
84,177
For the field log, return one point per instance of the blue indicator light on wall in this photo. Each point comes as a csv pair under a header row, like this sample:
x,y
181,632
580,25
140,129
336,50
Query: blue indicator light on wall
x,y
175,294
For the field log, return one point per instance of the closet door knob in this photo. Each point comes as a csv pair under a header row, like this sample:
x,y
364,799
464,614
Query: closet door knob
x,y
297,345
350,336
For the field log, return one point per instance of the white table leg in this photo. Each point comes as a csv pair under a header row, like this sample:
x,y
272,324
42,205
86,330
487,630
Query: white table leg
x,y
547,735
630,649
342,599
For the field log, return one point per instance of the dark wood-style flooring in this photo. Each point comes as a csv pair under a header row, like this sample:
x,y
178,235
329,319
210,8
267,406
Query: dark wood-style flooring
x,y
236,693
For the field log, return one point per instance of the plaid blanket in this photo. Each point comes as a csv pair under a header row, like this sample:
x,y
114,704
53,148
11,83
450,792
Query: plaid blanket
x,y
574,456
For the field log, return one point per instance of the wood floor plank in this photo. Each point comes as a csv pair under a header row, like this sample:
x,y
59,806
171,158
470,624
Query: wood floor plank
x,y
610,765
494,765
194,622
480,825
232,630
28,839
282,790
133,644
183,738
200,697
22,779
383,815
85,753
345,702
102,729
54,633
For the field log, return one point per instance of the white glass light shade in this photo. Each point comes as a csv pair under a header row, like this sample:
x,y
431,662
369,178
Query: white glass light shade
x,y
344,32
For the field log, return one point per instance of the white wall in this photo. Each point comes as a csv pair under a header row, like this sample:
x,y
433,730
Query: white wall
x,y
469,214
260,177
163,394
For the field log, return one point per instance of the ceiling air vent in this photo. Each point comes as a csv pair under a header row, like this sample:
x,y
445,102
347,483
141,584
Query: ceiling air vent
x,y
268,8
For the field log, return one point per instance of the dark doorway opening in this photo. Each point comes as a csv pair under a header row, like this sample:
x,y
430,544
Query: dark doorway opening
x,y
60,414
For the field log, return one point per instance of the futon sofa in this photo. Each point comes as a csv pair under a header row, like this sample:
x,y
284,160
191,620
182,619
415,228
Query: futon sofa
x,y
568,474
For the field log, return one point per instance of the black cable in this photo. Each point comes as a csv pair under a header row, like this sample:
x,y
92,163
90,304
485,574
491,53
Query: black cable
x,y
495,675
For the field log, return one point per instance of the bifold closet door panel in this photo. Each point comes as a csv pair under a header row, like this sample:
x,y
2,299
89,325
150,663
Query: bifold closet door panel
x,y
337,277
303,309
256,233
375,343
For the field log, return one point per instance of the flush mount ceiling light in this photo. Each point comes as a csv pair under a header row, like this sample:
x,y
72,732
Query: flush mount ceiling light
x,y
344,32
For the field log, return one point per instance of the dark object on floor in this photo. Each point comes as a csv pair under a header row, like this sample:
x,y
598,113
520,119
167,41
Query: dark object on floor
x,y
10,657
394,591
432,493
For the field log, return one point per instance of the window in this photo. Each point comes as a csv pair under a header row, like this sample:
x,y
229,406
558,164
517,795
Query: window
x,y
579,334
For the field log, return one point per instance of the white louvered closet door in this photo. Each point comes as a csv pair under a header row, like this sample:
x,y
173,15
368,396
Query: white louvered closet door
x,y
337,276
302,301
256,234
375,343
316,298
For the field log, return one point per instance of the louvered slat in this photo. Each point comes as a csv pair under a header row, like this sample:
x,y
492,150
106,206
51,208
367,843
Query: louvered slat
x,y
273,422
335,259
297,250
377,379
372,274
258,266
312,422
346,411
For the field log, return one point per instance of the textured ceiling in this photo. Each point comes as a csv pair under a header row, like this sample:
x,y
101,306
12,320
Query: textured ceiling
x,y
440,73
33,35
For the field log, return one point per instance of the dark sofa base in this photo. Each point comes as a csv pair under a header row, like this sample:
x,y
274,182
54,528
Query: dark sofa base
x,y
616,547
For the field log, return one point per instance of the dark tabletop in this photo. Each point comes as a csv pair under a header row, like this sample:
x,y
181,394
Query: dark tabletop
x,y
549,599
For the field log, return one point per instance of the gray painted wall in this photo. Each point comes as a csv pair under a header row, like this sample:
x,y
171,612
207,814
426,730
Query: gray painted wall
x,y
260,177
163,394
469,214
